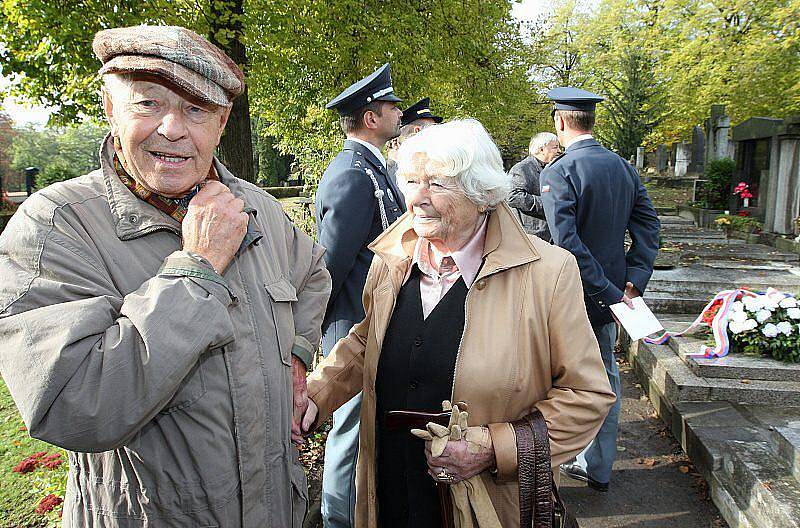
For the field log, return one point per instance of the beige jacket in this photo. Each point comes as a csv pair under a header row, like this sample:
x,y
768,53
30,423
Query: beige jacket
x,y
171,386
527,344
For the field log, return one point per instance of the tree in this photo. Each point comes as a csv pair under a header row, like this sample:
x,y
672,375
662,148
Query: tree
x,y
6,143
297,54
60,153
634,105
55,65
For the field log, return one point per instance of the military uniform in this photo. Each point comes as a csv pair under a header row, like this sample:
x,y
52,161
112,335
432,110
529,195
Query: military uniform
x,y
356,201
591,197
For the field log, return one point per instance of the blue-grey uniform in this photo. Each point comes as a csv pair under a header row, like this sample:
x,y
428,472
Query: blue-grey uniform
x,y
356,200
591,197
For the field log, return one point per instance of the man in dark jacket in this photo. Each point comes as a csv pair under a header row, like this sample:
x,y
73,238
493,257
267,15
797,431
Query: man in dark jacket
x,y
591,197
356,201
524,196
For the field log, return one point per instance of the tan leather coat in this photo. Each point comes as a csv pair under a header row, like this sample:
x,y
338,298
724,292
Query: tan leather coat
x,y
527,344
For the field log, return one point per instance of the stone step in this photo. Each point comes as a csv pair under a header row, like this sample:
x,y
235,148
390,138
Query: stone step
x,y
750,479
664,302
705,281
731,250
767,495
667,211
675,380
669,220
733,366
783,431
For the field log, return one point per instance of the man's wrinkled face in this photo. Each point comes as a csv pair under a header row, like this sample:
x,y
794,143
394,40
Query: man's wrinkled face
x,y
549,152
167,138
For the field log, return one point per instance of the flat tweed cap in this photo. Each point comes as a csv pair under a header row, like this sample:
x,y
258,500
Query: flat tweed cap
x,y
176,54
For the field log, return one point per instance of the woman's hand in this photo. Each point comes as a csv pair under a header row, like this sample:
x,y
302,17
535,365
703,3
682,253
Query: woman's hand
x,y
462,459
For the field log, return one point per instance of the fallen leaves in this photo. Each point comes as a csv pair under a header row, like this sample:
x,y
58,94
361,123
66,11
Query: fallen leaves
x,y
647,462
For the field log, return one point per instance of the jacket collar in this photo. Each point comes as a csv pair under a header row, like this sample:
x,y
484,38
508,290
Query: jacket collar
x,y
134,217
583,143
506,245
355,146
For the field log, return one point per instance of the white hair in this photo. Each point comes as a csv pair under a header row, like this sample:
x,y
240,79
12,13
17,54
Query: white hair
x,y
117,84
461,149
540,141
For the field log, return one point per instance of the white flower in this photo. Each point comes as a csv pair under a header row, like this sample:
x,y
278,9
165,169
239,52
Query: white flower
x,y
750,324
770,330
770,303
794,313
788,302
735,327
785,327
737,306
752,304
763,315
739,317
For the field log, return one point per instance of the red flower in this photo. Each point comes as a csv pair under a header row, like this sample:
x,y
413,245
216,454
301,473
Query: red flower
x,y
29,464
743,213
47,504
52,464
26,466
708,315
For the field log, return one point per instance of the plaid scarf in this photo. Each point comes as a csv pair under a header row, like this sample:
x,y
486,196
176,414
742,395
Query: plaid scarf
x,y
174,207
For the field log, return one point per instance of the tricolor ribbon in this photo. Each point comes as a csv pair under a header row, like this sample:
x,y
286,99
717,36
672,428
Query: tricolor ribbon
x,y
719,325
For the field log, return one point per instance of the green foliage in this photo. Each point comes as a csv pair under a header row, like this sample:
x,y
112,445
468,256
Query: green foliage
x,y
465,54
58,153
20,493
745,224
716,190
741,53
635,105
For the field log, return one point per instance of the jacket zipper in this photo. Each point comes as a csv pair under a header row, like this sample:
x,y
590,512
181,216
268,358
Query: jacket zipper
x,y
464,331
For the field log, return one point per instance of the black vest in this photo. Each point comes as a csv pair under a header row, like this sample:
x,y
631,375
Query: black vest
x,y
415,372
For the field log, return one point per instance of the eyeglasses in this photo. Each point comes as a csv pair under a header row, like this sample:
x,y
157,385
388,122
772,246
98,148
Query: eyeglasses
x,y
553,113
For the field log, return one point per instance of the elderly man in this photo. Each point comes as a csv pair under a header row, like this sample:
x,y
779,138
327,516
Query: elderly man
x,y
525,197
151,312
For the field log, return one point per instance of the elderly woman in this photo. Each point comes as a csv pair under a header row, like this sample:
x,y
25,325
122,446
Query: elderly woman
x,y
461,305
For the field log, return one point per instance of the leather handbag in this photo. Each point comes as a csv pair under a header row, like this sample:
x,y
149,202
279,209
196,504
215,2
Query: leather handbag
x,y
539,502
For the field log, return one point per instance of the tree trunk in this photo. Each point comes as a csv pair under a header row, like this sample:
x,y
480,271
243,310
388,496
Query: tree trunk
x,y
236,145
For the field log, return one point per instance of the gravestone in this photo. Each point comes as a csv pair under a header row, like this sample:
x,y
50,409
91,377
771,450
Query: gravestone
x,y
683,154
662,156
639,158
697,164
717,142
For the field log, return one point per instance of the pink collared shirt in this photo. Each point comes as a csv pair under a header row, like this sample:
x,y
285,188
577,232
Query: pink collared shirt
x,y
464,262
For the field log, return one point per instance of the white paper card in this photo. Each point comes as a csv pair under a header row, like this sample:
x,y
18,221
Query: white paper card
x,y
638,322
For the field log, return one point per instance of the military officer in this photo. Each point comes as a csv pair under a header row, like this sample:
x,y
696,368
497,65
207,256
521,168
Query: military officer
x,y
591,197
356,201
415,118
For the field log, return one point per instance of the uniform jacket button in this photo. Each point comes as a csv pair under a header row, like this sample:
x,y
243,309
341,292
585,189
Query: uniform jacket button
x,y
481,284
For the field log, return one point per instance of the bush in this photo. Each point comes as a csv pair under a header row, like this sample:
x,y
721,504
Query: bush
x,y
745,224
716,191
59,170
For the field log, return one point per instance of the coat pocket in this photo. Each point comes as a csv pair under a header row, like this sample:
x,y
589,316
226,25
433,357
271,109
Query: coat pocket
x,y
299,494
282,294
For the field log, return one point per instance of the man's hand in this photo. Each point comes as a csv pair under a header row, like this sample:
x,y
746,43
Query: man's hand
x,y
310,416
630,293
215,225
299,399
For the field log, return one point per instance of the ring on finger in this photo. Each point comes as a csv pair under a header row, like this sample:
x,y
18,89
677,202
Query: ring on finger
x,y
444,476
